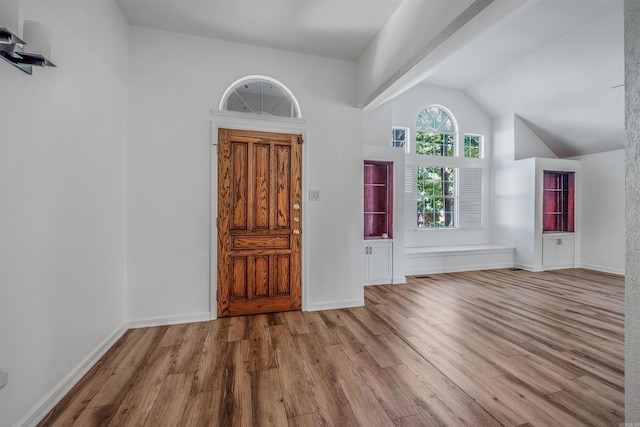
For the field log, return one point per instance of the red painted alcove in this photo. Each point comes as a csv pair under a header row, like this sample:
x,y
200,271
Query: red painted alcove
x,y
378,199
558,202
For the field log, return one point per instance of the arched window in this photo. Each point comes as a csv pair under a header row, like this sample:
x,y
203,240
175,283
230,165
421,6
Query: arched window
x,y
436,132
260,95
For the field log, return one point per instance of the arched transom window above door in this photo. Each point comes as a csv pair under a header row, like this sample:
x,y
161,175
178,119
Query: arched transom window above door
x,y
260,95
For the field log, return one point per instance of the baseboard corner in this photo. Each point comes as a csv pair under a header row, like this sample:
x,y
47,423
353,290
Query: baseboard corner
x,y
53,397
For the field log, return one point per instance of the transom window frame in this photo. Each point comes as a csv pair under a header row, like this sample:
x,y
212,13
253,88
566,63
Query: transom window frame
x,y
397,142
480,139
439,127
251,79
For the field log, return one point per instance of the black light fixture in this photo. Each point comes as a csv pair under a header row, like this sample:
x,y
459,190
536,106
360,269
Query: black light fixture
x,y
36,36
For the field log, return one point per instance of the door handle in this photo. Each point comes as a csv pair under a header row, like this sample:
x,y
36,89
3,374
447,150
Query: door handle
x,y
296,231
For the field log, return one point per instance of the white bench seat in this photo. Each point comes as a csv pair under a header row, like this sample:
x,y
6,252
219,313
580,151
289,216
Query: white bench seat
x,y
443,259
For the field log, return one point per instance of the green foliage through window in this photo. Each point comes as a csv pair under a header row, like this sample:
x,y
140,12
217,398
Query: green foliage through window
x,y
435,132
440,144
436,197
472,146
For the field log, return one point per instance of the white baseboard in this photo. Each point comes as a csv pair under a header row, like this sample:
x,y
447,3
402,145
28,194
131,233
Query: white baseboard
x,y
51,399
399,280
528,267
332,305
619,271
169,320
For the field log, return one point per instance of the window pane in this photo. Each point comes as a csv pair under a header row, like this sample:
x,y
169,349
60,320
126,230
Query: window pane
x,y
260,97
435,144
435,119
435,132
399,137
472,146
435,197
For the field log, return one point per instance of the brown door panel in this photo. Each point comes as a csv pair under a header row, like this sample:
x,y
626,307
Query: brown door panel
x,y
259,222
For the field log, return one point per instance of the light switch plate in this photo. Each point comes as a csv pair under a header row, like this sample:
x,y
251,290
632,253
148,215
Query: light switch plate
x,y
314,195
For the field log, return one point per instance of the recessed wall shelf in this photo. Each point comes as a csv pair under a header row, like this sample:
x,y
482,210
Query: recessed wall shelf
x,y
378,199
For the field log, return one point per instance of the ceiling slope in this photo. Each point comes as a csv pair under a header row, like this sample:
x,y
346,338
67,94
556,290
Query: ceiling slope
x,y
332,28
560,68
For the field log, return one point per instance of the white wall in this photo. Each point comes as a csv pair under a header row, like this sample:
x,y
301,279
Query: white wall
x,y
527,143
513,203
62,204
603,219
175,82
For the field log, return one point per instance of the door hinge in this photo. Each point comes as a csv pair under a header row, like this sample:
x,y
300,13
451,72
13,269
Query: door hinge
x,y
300,140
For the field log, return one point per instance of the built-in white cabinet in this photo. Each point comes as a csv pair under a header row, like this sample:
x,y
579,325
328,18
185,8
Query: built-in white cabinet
x,y
557,250
378,261
542,213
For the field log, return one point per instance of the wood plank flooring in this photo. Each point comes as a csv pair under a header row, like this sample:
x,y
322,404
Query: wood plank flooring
x,y
487,348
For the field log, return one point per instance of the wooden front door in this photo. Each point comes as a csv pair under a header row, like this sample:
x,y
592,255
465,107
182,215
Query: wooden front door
x,y
259,222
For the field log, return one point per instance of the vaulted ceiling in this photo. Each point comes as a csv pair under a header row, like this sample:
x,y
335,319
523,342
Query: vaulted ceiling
x,y
558,64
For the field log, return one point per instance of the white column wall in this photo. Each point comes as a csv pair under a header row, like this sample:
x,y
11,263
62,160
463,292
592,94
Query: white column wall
x,y
377,146
602,219
62,205
632,180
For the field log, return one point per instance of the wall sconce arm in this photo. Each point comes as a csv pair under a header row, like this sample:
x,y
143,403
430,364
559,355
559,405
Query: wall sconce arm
x,y
11,50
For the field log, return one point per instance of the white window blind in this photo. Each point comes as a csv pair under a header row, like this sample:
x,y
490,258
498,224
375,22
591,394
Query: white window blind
x,y
410,196
470,198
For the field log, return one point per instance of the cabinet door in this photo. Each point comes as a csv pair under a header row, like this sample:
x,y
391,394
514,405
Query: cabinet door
x,y
549,251
565,251
378,262
557,251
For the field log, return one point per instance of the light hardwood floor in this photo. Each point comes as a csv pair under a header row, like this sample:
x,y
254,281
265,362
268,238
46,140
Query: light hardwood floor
x,y
487,348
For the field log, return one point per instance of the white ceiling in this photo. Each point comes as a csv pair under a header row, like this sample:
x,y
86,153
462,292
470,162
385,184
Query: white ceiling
x,y
333,28
552,62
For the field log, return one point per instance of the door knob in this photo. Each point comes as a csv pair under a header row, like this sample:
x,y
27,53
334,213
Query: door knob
x,y
296,231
